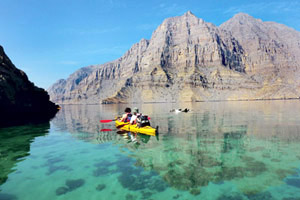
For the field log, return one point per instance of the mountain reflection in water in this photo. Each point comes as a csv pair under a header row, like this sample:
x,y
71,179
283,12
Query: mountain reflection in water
x,y
239,142
218,150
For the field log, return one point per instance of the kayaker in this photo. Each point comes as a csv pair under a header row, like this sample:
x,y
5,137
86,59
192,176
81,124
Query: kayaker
x,y
134,116
180,110
143,120
127,115
185,110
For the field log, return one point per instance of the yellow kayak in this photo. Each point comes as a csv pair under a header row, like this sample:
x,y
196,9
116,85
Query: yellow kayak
x,y
147,130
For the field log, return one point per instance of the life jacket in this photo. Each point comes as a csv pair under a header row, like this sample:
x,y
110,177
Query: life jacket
x,y
137,116
128,117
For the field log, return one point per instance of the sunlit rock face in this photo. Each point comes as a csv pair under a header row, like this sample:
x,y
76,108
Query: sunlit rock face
x,y
20,100
188,59
272,55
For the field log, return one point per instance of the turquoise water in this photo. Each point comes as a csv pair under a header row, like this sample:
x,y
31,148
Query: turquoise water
x,y
219,150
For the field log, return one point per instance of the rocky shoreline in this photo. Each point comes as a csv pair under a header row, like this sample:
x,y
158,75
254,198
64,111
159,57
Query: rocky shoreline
x,y
21,102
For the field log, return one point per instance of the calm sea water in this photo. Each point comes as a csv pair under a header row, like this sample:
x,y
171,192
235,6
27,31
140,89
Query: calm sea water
x,y
217,151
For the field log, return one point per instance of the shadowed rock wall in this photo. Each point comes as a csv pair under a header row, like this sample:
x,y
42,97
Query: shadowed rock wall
x,y
20,100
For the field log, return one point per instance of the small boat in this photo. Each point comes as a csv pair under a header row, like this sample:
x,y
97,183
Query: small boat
x,y
126,126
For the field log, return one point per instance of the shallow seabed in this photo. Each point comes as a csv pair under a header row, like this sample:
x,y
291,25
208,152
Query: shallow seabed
x,y
217,151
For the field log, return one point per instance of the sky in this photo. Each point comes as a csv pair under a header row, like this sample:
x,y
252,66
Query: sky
x,y
50,39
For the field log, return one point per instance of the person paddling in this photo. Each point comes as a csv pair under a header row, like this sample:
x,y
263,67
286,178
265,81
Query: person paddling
x,y
127,115
135,115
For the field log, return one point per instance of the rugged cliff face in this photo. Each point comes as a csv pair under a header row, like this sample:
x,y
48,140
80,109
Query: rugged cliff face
x,y
272,55
188,59
20,100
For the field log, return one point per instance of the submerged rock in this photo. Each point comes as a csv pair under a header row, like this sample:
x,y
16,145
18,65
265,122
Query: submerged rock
x,y
74,184
130,197
61,191
231,197
8,197
293,182
261,196
195,191
101,187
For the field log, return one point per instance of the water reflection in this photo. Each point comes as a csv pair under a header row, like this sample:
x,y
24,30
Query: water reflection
x,y
252,146
15,145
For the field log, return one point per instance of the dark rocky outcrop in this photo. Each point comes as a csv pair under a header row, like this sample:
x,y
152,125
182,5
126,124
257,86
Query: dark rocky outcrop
x,y
20,100
188,59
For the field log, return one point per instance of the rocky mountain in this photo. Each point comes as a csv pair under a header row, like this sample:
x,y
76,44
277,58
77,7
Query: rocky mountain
x,y
188,59
20,100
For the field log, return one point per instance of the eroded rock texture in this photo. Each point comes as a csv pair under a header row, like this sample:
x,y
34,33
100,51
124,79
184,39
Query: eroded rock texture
x,y
188,59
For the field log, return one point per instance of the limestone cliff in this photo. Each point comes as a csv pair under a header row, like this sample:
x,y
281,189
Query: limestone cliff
x,y
20,100
188,59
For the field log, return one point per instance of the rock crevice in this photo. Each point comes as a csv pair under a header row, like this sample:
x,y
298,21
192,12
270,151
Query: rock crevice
x,y
188,59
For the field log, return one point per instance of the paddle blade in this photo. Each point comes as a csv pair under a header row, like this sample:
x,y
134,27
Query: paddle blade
x,y
120,126
105,129
106,120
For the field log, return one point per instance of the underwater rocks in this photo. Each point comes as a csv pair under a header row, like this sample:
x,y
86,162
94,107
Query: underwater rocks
x,y
254,168
283,173
293,182
146,195
195,192
53,167
102,168
7,197
61,190
176,196
261,196
130,197
70,186
177,180
204,169
52,162
134,180
74,184
100,187
231,197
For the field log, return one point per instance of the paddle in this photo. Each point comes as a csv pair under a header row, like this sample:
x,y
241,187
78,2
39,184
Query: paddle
x,y
107,120
111,120
105,129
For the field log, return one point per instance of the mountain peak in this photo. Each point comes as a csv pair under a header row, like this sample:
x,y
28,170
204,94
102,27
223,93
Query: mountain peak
x,y
189,13
244,17
188,59
241,19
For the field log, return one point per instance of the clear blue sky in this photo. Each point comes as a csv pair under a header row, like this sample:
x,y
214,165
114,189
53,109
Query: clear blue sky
x,y
50,39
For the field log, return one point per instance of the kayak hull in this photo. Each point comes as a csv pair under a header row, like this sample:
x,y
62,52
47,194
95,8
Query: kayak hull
x,y
126,126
